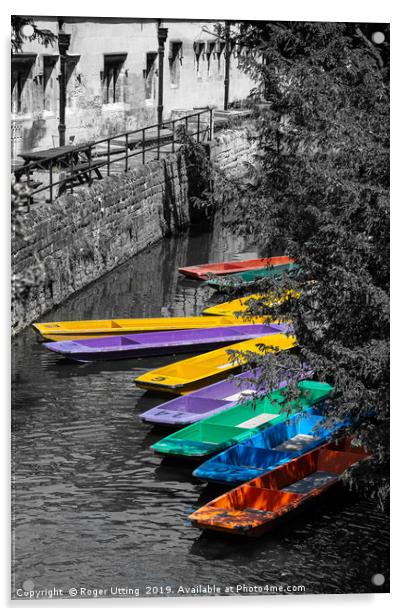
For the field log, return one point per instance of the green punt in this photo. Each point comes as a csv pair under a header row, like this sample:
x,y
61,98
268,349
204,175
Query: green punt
x,y
251,275
238,423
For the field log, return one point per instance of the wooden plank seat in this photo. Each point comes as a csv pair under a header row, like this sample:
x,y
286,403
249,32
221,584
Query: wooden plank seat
x,y
94,165
136,141
113,151
82,173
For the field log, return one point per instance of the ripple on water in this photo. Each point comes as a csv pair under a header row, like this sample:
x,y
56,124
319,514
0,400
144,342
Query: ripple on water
x,y
92,503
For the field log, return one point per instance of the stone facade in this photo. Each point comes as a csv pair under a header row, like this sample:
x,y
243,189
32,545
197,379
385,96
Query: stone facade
x,y
112,78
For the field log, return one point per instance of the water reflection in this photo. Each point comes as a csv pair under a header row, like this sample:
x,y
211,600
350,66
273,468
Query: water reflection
x,y
94,506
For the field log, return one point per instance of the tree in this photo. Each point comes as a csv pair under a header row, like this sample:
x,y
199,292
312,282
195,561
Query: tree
x,y
45,37
320,190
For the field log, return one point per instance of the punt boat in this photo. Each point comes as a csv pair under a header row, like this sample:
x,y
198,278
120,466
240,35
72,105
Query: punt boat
x,y
240,304
201,272
268,449
235,280
204,402
238,423
254,507
76,330
190,374
158,343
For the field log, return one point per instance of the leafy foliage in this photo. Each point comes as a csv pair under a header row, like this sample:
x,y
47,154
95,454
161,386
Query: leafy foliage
x,y
45,37
320,189
22,283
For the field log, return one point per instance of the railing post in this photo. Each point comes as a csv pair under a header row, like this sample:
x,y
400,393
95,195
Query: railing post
x,y
71,170
198,131
210,124
143,145
50,184
173,136
186,126
127,152
158,141
90,164
108,156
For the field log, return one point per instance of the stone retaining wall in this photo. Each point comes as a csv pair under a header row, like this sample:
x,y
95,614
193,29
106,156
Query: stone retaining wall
x,y
233,150
78,238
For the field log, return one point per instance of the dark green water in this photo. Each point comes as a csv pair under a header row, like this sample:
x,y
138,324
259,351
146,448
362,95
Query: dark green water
x,y
95,509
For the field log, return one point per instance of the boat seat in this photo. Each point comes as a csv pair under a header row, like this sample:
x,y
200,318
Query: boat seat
x,y
296,443
310,482
260,512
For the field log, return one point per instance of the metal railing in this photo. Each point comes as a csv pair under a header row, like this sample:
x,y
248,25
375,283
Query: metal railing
x,y
82,164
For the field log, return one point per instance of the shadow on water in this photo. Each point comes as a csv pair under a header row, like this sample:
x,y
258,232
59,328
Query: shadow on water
x,y
93,505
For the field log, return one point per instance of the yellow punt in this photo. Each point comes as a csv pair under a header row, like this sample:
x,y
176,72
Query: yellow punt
x,y
75,330
187,375
240,305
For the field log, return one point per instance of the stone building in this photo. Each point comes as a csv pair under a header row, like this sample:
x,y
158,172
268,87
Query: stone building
x,y
112,78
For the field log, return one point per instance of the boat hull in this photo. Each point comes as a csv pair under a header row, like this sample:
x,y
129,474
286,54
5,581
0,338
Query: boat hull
x,y
253,508
238,423
203,402
191,374
154,344
240,305
235,280
201,272
77,330
267,450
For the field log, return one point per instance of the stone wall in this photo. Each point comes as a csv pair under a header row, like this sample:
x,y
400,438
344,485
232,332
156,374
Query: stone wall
x,y
82,236
232,150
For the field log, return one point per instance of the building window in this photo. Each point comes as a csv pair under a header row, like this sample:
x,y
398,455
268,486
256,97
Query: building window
x,y
49,89
220,48
112,81
199,47
175,59
209,49
21,71
150,74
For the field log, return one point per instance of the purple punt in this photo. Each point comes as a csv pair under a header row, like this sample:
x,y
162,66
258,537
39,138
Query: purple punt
x,y
160,343
202,403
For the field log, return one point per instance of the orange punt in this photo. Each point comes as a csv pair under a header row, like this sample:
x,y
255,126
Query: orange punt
x,y
201,272
254,507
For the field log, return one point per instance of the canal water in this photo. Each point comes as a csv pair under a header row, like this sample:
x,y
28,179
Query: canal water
x,y
94,508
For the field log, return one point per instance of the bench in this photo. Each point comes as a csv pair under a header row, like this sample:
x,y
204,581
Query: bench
x,y
82,172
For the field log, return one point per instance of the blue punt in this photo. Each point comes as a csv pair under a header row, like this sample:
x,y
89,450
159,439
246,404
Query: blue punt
x,y
268,449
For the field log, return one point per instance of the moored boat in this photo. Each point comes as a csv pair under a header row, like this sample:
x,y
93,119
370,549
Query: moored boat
x,y
239,423
235,280
202,271
241,304
76,330
253,508
202,403
268,449
158,343
190,374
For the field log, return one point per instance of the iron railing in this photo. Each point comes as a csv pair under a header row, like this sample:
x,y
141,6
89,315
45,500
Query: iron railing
x,y
79,164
